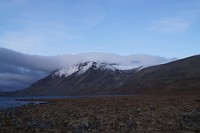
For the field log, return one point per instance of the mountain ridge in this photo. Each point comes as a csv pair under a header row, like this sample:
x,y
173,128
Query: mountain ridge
x,y
81,79
91,78
181,76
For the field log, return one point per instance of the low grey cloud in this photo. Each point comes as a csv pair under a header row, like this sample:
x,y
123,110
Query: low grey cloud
x,y
18,70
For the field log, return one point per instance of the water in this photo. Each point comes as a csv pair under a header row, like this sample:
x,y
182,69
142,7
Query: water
x,y
10,102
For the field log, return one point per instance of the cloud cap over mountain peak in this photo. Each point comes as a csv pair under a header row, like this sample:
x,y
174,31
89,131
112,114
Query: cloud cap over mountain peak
x,y
29,68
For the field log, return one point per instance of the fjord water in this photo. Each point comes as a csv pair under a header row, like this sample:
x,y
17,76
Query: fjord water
x,y
10,102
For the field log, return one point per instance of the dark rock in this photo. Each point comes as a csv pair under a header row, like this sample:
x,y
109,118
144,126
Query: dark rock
x,y
191,120
39,124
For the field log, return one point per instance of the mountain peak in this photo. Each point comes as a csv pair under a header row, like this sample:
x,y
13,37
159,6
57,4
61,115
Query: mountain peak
x,y
95,78
82,68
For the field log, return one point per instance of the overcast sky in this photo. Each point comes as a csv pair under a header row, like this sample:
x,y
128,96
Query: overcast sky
x,y
168,28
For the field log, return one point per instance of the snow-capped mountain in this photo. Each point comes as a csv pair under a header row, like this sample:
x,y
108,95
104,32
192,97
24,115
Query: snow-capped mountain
x,y
82,79
95,78
81,68
19,70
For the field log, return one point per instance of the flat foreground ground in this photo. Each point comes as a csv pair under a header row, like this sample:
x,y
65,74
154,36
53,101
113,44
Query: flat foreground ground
x,y
139,114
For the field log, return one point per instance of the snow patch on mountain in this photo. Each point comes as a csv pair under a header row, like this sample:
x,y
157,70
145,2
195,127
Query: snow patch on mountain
x,y
104,66
84,67
67,71
81,68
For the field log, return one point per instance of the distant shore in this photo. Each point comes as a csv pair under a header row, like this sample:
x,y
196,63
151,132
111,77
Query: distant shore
x,y
106,114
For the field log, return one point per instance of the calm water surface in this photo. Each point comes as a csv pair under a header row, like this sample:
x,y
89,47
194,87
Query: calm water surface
x,y
10,102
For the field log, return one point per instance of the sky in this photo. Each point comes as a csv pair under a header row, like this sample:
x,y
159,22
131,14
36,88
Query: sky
x,y
167,28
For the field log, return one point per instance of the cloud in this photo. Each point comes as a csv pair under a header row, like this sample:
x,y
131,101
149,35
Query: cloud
x,y
18,70
170,25
16,77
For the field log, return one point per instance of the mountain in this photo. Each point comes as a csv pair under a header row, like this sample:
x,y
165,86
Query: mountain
x,y
19,70
95,78
82,79
181,76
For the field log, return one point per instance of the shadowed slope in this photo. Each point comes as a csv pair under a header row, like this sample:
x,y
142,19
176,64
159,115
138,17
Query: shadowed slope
x,y
178,77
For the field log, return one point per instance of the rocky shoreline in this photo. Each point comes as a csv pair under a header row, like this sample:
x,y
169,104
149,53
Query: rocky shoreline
x,y
150,114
